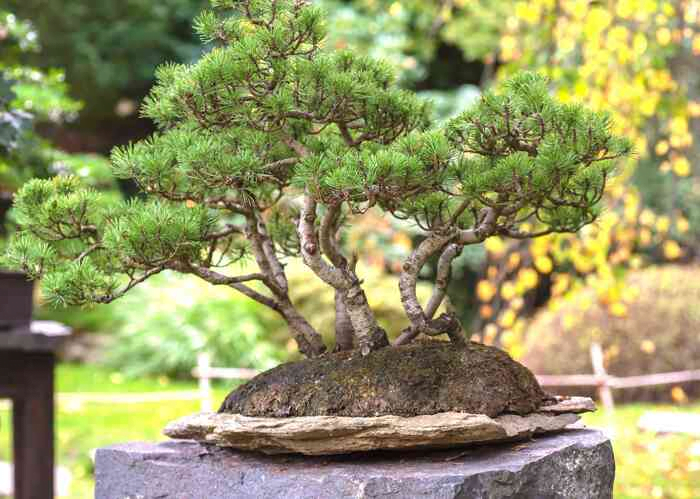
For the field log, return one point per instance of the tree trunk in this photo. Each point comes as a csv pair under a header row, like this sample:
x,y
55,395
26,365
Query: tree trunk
x,y
344,331
369,335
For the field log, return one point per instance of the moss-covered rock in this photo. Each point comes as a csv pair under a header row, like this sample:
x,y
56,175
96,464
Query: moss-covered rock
x,y
417,379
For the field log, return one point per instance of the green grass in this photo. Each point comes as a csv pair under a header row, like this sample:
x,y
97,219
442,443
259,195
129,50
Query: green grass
x,y
79,378
648,466
651,465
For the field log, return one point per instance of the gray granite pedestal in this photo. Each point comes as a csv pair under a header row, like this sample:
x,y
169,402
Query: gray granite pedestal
x,y
575,464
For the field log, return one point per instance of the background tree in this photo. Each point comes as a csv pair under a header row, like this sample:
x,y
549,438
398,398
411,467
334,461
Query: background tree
x,y
29,98
637,56
109,50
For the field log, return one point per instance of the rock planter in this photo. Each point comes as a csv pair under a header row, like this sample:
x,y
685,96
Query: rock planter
x,y
424,395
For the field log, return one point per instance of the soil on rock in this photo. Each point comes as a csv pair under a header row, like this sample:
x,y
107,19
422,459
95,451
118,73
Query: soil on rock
x,y
416,379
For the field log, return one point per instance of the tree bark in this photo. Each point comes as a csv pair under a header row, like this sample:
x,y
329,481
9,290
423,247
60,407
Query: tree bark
x,y
369,335
444,272
272,275
255,238
421,321
308,340
268,249
409,276
344,332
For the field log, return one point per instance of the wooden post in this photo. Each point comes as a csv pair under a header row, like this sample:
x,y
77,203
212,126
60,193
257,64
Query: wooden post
x,y
205,396
27,378
604,391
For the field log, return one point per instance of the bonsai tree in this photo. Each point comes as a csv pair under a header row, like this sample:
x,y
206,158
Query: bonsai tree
x,y
270,145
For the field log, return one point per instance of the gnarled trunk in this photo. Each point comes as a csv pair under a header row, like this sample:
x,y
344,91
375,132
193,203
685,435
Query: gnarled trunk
x,y
368,333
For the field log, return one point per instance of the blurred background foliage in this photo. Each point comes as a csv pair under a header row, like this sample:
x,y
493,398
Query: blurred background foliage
x,y
658,334
166,322
31,97
73,74
109,51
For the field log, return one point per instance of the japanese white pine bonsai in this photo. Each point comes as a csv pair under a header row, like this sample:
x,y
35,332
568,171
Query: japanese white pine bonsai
x,y
272,144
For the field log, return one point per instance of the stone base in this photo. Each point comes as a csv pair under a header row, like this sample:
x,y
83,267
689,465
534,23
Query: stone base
x,y
574,464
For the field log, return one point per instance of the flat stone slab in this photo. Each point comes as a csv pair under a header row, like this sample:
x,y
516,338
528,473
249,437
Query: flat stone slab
x,y
575,464
326,435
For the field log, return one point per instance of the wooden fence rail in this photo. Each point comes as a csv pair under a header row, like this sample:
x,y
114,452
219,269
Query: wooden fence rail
x,y
617,382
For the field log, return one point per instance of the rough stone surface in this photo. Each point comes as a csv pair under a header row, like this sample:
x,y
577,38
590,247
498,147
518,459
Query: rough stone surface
x,y
411,380
576,464
325,435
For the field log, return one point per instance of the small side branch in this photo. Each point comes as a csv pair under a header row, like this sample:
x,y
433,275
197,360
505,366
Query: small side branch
x,y
235,282
444,271
133,281
229,230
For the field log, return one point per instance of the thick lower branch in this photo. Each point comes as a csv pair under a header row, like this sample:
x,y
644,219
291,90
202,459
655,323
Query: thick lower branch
x,y
327,237
409,276
310,250
421,319
308,340
369,335
235,282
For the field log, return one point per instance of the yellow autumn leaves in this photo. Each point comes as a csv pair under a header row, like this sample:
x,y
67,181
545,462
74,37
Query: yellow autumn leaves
x,y
525,280
679,138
